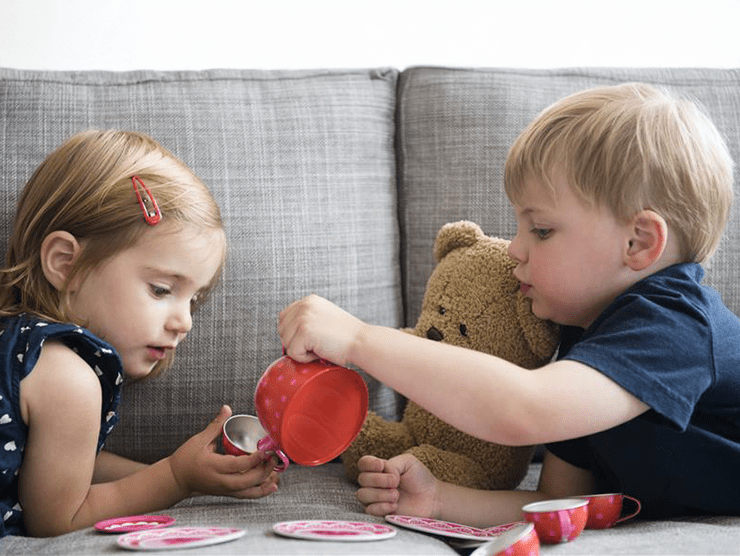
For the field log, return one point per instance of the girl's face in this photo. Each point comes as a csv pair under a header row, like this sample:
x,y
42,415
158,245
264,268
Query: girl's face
x,y
570,253
140,299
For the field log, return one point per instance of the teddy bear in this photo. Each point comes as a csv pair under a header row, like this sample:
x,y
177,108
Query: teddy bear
x,y
471,300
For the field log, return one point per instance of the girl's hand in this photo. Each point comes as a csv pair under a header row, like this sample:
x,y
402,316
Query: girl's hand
x,y
401,485
199,468
313,327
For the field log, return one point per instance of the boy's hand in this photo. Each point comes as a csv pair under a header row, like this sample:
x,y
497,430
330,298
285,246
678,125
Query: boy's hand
x,y
401,485
314,327
199,468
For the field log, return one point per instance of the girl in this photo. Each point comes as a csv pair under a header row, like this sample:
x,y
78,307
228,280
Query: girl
x,y
115,243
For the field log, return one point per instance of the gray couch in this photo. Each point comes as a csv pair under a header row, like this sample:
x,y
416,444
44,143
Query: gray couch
x,y
334,182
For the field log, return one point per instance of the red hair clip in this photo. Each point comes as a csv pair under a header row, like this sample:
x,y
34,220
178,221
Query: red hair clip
x,y
148,205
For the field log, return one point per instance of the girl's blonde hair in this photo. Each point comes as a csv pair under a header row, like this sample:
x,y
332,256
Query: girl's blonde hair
x,y
633,147
85,188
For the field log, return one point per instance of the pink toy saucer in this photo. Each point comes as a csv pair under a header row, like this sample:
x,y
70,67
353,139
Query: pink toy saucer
x,y
133,523
179,537
449,529
331,530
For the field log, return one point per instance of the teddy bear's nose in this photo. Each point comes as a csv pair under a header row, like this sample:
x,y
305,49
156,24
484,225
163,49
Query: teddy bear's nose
x,y
434,334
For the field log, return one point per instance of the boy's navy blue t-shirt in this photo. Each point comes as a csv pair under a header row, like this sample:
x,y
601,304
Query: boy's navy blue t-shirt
x,y
671,342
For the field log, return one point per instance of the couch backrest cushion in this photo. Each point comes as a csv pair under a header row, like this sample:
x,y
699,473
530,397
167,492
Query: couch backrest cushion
x,y
302,164
455,127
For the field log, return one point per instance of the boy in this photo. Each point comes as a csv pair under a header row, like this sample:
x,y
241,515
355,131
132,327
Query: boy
x,y
619,193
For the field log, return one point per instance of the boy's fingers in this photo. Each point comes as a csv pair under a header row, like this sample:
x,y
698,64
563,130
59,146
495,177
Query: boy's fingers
x,y
378,502
378,480
369,496
381,510
370,464
400,464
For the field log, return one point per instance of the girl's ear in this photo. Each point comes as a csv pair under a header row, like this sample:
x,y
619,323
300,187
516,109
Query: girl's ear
x,y
647,240
59,251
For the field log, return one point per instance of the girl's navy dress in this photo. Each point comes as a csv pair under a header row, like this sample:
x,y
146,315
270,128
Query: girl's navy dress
x,y
21,339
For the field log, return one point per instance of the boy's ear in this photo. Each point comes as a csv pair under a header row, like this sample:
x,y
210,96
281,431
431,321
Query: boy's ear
x,y
647,239
59,251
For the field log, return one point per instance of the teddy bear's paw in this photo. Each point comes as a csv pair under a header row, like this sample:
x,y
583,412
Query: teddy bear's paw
x,y
451,467
378,437
509,466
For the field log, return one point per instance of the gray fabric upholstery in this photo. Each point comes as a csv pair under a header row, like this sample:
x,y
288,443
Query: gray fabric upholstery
x,y
322,493
455,127
334,182
303,167
305,493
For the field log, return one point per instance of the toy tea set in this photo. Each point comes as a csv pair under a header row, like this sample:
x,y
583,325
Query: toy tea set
x,y
546,522
309,413
306,412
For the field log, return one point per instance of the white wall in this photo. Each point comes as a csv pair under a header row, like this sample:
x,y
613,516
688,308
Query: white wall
x,y
185,34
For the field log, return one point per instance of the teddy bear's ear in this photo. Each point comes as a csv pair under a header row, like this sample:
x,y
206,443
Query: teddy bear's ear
x,y
455,235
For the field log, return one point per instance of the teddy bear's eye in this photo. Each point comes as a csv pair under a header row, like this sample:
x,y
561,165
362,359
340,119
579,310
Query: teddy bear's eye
x,y
442,310
463,330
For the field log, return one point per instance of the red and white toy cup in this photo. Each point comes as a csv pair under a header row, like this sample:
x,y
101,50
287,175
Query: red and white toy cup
x,y
311,411
243,434
605,510
519,541
557,521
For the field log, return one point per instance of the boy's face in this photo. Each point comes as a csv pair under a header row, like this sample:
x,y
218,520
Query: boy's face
x,y
140,299
571,254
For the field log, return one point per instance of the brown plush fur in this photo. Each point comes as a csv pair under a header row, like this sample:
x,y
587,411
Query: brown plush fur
x,y
471,300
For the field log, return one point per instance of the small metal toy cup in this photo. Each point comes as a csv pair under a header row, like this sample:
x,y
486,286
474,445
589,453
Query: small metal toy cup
x,y
604,510
311,411
557,521
519,541
243,434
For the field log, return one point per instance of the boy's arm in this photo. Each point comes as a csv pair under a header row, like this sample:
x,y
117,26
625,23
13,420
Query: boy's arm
x,y
490,398
482,395
405,486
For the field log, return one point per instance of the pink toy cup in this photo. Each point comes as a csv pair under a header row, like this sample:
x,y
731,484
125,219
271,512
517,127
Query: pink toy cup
x,y
604,510
557,521
243,434
311,411
519,541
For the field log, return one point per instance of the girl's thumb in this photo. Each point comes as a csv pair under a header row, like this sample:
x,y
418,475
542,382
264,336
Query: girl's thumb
x,y
223,414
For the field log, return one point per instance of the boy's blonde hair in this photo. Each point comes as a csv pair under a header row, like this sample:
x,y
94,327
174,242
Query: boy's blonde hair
x,y
84,187
633,147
